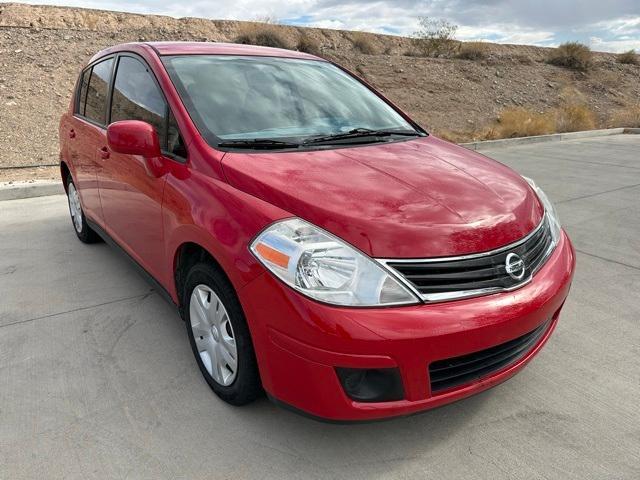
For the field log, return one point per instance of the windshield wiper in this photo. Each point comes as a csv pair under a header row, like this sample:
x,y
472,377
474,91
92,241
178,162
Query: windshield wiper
x,y
258,143
361,133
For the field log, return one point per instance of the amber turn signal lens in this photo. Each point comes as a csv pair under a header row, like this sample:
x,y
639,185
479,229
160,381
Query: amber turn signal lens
x,y
272,255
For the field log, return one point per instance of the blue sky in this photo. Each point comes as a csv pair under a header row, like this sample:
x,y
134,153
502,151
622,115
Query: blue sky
x,y
612,25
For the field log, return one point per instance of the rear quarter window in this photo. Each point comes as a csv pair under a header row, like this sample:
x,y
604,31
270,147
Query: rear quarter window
x,y
81,101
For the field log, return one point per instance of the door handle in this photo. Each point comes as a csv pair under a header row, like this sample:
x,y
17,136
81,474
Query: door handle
x,y
104,153
72,133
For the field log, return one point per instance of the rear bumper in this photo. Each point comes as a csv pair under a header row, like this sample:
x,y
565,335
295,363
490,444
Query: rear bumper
x,y
299,342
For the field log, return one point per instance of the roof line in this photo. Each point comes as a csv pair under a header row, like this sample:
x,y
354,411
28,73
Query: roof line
x,y
153,48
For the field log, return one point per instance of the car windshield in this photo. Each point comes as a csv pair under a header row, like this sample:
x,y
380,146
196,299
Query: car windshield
x,y
245,98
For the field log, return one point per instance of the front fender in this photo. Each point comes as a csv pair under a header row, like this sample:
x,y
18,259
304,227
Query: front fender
x,y
216,216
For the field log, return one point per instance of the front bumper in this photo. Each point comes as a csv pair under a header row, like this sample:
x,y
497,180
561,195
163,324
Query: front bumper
x,y
299,342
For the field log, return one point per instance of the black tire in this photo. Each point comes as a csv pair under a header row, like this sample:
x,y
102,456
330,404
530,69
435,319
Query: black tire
x,y
85,233
246,387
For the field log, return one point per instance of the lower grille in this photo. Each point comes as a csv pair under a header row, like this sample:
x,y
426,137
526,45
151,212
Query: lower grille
x,y
453,372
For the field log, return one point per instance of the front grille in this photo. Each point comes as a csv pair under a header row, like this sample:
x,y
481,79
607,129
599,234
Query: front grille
x,y
453,372
447,278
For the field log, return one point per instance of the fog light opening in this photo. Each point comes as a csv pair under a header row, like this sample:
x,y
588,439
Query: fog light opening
x,y
371,384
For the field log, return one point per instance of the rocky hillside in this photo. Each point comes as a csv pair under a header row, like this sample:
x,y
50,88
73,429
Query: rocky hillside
x,y
42,49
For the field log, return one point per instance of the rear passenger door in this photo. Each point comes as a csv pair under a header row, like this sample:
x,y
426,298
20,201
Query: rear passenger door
x,y
86,131
131,196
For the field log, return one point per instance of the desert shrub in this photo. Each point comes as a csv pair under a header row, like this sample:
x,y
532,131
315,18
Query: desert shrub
x,y
626,117
258,35
630,57
521,122
90,19
360,71
270,19
574,55
473,51
452,136
308,45
523,59
435,38
363,44
570,94
574,117
412,52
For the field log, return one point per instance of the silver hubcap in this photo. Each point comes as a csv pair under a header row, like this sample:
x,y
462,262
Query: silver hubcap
x,y
213,334
74,208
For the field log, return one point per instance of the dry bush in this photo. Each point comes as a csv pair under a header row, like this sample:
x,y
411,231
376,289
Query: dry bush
x,y
629,58
308,45
473,51
90,19
570,94
360,71
523,59
451,136
435,38
520,122
270,19
627,117
363,44
412,52
574,118
574,55
261,35
609,79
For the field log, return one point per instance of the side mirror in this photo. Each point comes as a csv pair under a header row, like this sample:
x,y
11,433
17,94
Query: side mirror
x,y
133,137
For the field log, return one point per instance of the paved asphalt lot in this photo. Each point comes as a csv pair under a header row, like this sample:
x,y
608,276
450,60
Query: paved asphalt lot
x,y
97,379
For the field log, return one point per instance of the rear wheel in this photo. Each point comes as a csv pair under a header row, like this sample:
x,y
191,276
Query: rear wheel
x,y
82,229
219,335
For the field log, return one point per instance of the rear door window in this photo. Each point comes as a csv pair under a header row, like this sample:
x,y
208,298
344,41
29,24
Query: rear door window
x,y
95,107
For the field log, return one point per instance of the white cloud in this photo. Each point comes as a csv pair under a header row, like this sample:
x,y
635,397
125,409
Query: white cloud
x,y
371,16
506,34
622,45
333,24
620,26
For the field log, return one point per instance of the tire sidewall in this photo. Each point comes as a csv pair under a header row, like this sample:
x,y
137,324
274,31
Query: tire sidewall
x,y
86,234
243,388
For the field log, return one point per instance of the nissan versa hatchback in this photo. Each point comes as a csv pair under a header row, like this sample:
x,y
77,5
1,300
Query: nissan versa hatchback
x,y
320,245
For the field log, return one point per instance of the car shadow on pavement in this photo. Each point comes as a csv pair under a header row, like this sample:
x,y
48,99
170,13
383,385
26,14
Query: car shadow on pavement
x,y
363,443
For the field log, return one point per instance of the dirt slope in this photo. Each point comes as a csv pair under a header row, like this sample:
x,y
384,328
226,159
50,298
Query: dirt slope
x,y
42,49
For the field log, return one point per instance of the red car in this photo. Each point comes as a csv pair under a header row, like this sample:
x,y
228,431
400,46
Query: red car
x,y
319,244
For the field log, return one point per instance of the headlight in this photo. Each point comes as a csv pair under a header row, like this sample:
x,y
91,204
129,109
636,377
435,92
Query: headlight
x,y
552,215
325,268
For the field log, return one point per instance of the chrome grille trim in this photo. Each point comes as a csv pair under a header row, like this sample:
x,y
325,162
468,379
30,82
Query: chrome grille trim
x,y
433,297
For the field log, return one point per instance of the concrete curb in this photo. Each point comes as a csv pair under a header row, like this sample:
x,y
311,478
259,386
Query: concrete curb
x,y
40,188
555,137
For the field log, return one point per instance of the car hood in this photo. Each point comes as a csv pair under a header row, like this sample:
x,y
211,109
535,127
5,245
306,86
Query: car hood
x,y
410,199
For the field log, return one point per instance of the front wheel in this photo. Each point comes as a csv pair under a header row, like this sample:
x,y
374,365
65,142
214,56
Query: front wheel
x,y
82,229
219,336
